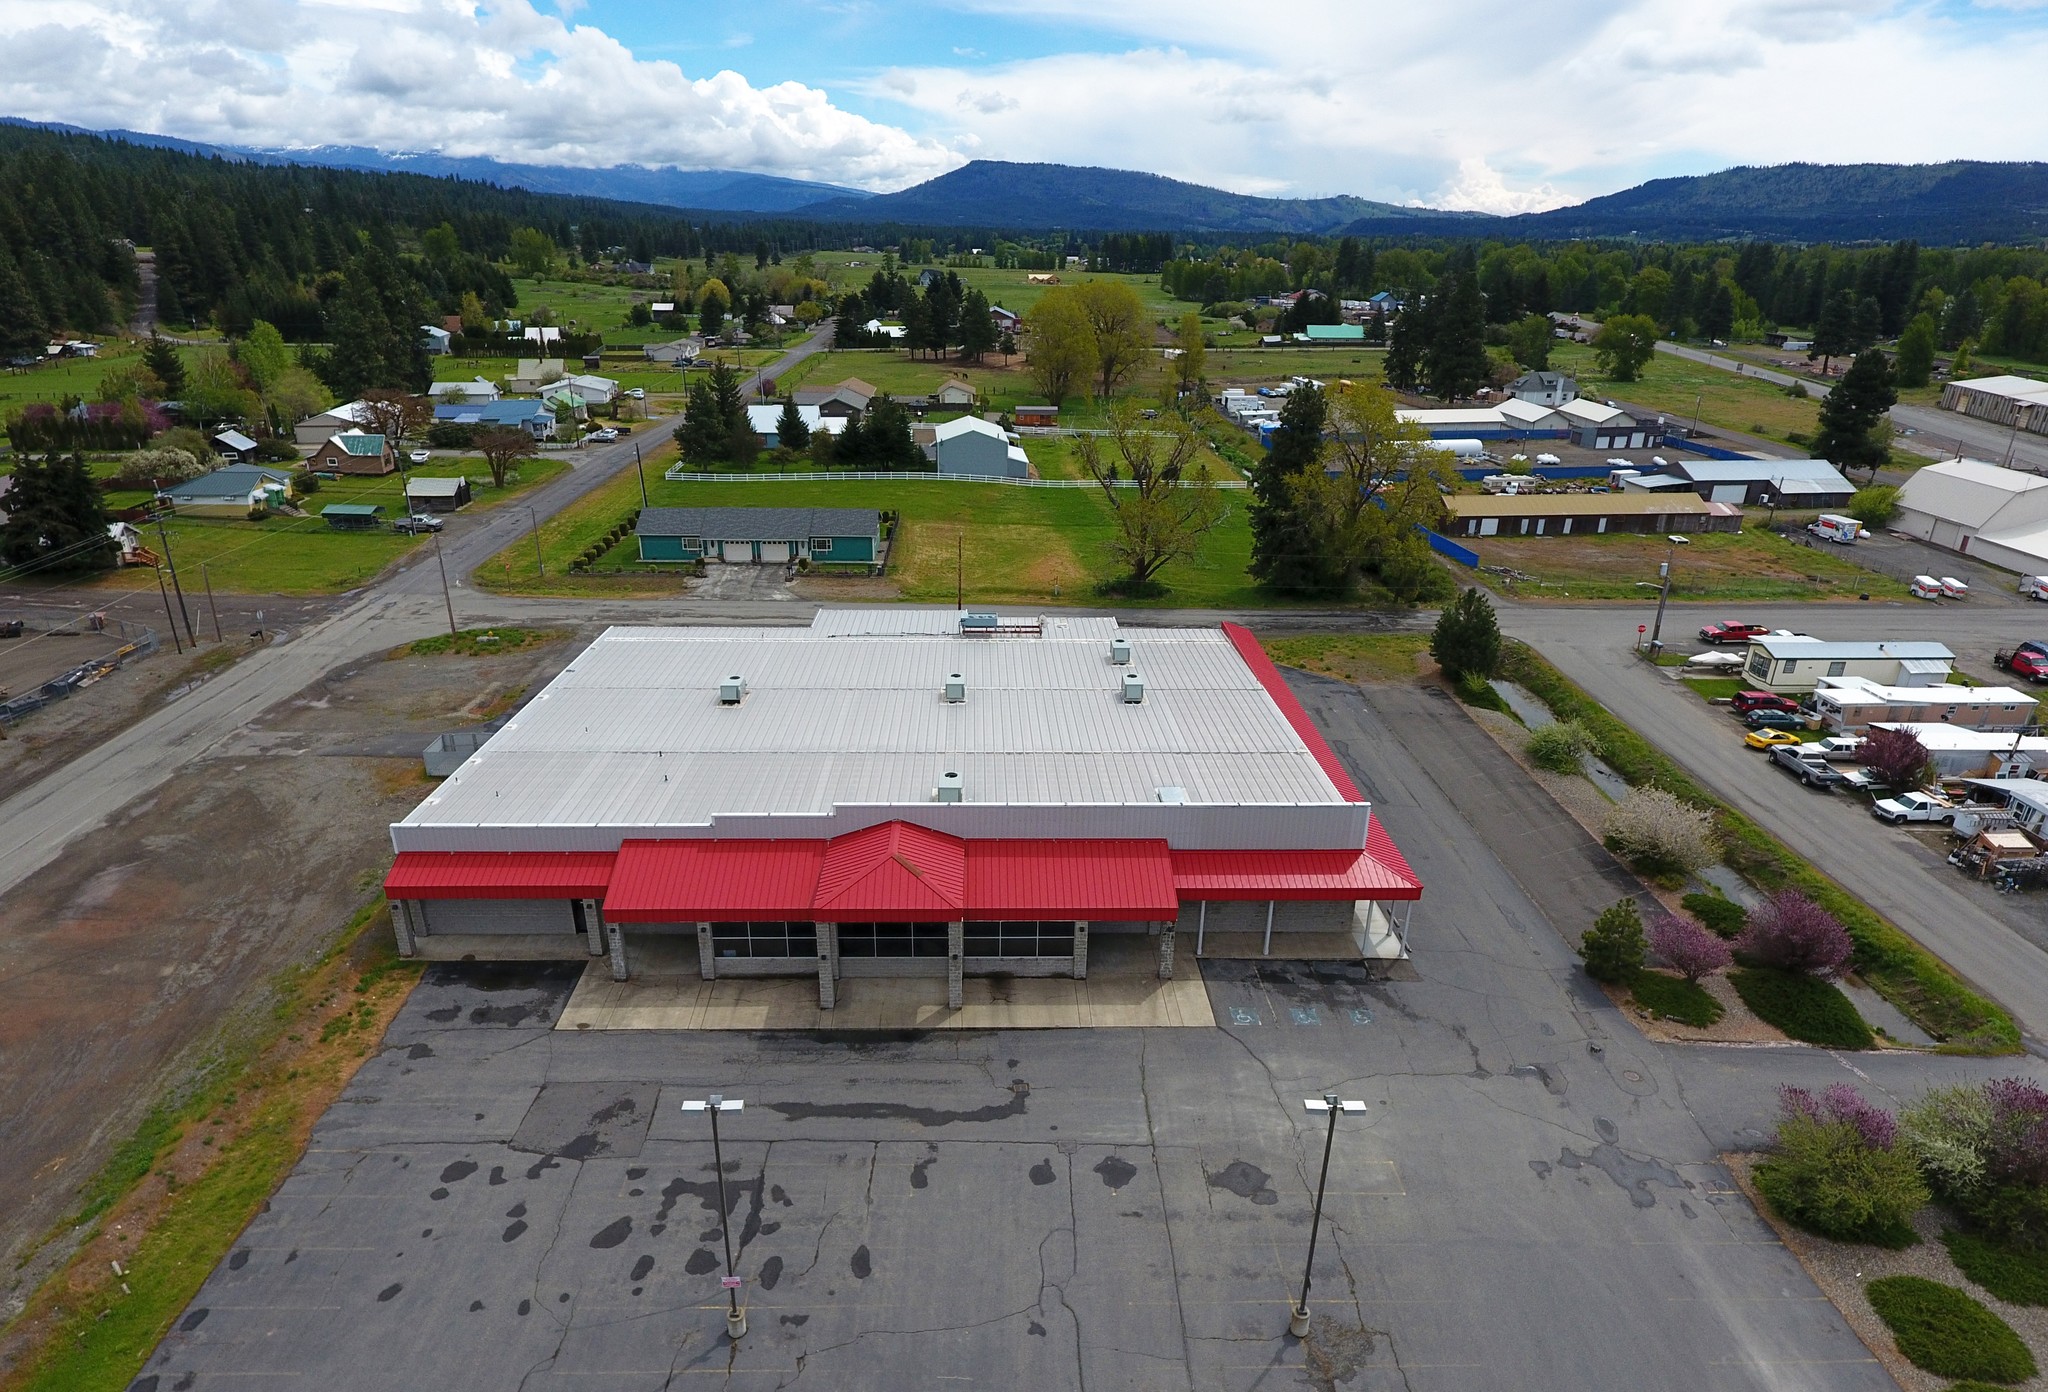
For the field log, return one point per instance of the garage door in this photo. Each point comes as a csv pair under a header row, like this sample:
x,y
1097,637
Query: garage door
x,y
1728,493
774,552
499,916
738,552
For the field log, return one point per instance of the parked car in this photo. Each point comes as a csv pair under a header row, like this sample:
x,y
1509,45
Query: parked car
x,y
1731,632
1839,746
418,457
1774,720
1744,702
418,522
1808,767
2028,660
602,437
637,393
1767,739
1913,807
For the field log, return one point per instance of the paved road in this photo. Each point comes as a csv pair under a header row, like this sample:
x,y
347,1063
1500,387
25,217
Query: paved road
x,y
1908,882
37,821
1936,433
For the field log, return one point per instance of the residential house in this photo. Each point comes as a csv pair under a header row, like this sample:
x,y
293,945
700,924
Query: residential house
x,y
353,517
477,389
954,392
1385,303
676,350
851,397
1005,321
533,374
128,541
1960,752
1792,664
876,326
1849,704
536,418
595,390
229,492
437,494
971,445
354,452
234,445
1544,388
1785,483
928,277
316,430
1597,426
1995,514
1035,278
540,336
434,339
766,421
760,536
1580,514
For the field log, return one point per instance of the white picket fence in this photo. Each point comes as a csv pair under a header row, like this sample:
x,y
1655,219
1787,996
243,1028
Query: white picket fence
x,y
678,474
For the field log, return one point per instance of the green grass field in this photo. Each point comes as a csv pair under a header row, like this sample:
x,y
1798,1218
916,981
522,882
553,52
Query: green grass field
x,y
1748,565
1672,385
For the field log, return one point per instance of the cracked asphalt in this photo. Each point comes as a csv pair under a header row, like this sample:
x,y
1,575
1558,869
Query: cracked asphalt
x,y
1535,1198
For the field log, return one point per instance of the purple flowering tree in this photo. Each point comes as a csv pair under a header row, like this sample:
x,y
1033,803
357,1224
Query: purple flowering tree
x,y
1876,1127
1791,932
1687,948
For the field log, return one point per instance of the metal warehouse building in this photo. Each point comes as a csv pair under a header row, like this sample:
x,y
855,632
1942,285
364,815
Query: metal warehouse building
x,y
898,793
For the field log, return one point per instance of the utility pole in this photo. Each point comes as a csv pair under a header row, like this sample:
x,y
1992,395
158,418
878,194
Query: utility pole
x,y
170,619
960,571
1297,1322
440,561
537,560
172,562
641,472
207,580
735,1318
1664,594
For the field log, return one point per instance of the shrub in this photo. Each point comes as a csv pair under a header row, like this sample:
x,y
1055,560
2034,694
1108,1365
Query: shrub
x,y
2016,1277
1559,745
1833,1169
1941,1329
1792,933
153,467
1659,835
1874,507
1673,999
305,483
1804,1007
1984,1151
1467,637
1688,949
1724,916
1475,690
1613,946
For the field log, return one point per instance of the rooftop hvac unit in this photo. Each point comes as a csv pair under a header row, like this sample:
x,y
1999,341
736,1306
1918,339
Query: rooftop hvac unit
x,y
950,788
956,688
979,623
1172,796
1134,688
1120,651
732,690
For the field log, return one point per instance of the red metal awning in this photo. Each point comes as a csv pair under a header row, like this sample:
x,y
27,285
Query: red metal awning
x,y
896,872
1291,875
1094,880
1283,696
499,875
714,881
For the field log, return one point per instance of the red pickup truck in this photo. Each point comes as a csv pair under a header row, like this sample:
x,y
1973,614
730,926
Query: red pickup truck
x,y
2028,660
1718,633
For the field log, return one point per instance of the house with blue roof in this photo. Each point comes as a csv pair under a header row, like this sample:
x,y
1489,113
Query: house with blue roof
x,y
536,418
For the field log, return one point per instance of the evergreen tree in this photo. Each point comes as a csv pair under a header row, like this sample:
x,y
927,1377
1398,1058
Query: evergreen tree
x,y
1454,363
790,431
1916,352
887,441
56,517
1287,550
730,401
847,331
1834,336
977,330
1614,946
1717,316
1855,427
701,437
162,359
1466,642
1407,340
24,332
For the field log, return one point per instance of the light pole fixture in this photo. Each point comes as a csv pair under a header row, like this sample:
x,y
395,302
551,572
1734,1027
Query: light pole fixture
x,y
1770,503
1328,1103
1664,593
735,1317
1698,397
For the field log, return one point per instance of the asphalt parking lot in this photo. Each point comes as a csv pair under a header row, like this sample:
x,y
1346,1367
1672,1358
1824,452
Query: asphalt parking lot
x,y
1533,1199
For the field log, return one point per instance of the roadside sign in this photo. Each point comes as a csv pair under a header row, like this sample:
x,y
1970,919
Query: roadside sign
x,y
731,1282
1641,629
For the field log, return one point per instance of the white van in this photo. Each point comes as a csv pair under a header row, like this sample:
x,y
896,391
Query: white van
x,y
1834,527
2034,586
1926,587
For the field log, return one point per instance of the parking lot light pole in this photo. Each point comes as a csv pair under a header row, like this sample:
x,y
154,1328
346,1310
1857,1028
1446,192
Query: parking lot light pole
x,y
1297,1321
735,1318
1664,594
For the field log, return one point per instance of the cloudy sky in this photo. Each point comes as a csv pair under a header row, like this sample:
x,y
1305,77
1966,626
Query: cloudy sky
x,y
1455,104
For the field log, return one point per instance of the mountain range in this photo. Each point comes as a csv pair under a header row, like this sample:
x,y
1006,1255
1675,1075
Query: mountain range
x,y
1962,201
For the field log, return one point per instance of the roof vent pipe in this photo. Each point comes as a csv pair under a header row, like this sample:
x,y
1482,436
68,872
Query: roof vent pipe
x,y
732,690
950,788
1134,688
1120,651
956,687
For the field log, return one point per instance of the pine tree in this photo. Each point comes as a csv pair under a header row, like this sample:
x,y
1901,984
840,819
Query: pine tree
x,y
1454,362
1466,642
1287,553
977,330
1834,335
790,431
162,359
57,517
23,330
1614,946
1407,339
1855,427
1916,352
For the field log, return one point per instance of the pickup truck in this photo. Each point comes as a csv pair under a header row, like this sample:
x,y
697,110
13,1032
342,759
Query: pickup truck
x,y
417,523
1731,632
1913,807
2028,660
1838,746
1808,769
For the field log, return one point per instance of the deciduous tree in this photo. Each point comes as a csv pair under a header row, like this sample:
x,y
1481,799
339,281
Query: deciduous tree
x,y
1061,350
1164,510
1381,476
1687,948
1191,367
502,447
1898,758
1122,336
1792,933
1624,344
1916,351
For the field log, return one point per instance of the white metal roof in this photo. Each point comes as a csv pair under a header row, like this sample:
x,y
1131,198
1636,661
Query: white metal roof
x,y
2007,385
1587,411
1804,648
848,716
1971,492
1959,739
968,425
1861,691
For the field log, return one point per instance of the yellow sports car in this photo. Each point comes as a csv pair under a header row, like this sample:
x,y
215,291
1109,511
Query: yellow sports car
x,y
1765,739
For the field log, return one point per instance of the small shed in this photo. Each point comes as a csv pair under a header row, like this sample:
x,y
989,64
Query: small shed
x,y
236,446
1037,415
437,494
353,517
954,391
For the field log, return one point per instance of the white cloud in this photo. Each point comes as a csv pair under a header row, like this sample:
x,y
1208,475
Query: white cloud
x,y
500,78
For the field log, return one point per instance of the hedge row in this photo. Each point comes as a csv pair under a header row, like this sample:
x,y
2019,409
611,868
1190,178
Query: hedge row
x,y
1905,973
593,553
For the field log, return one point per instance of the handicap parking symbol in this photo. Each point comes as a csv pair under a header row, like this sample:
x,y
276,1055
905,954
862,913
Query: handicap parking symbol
x,y
1243,1015
1360,1015
1304,1015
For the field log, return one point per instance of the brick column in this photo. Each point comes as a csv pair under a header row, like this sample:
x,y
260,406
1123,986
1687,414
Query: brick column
x,y
707,960
616,935
828,988
1166,953
956,934
401,928
593,926
1080,951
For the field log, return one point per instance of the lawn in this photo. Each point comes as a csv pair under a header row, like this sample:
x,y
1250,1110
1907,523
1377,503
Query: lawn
x,y
1672,385
1238,366
1018,545
1749,565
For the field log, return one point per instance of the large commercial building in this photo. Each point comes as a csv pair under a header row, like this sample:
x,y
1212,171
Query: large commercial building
x,y
898,793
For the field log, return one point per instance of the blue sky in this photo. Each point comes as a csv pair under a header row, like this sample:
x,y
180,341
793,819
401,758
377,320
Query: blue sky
x,y
1457,103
